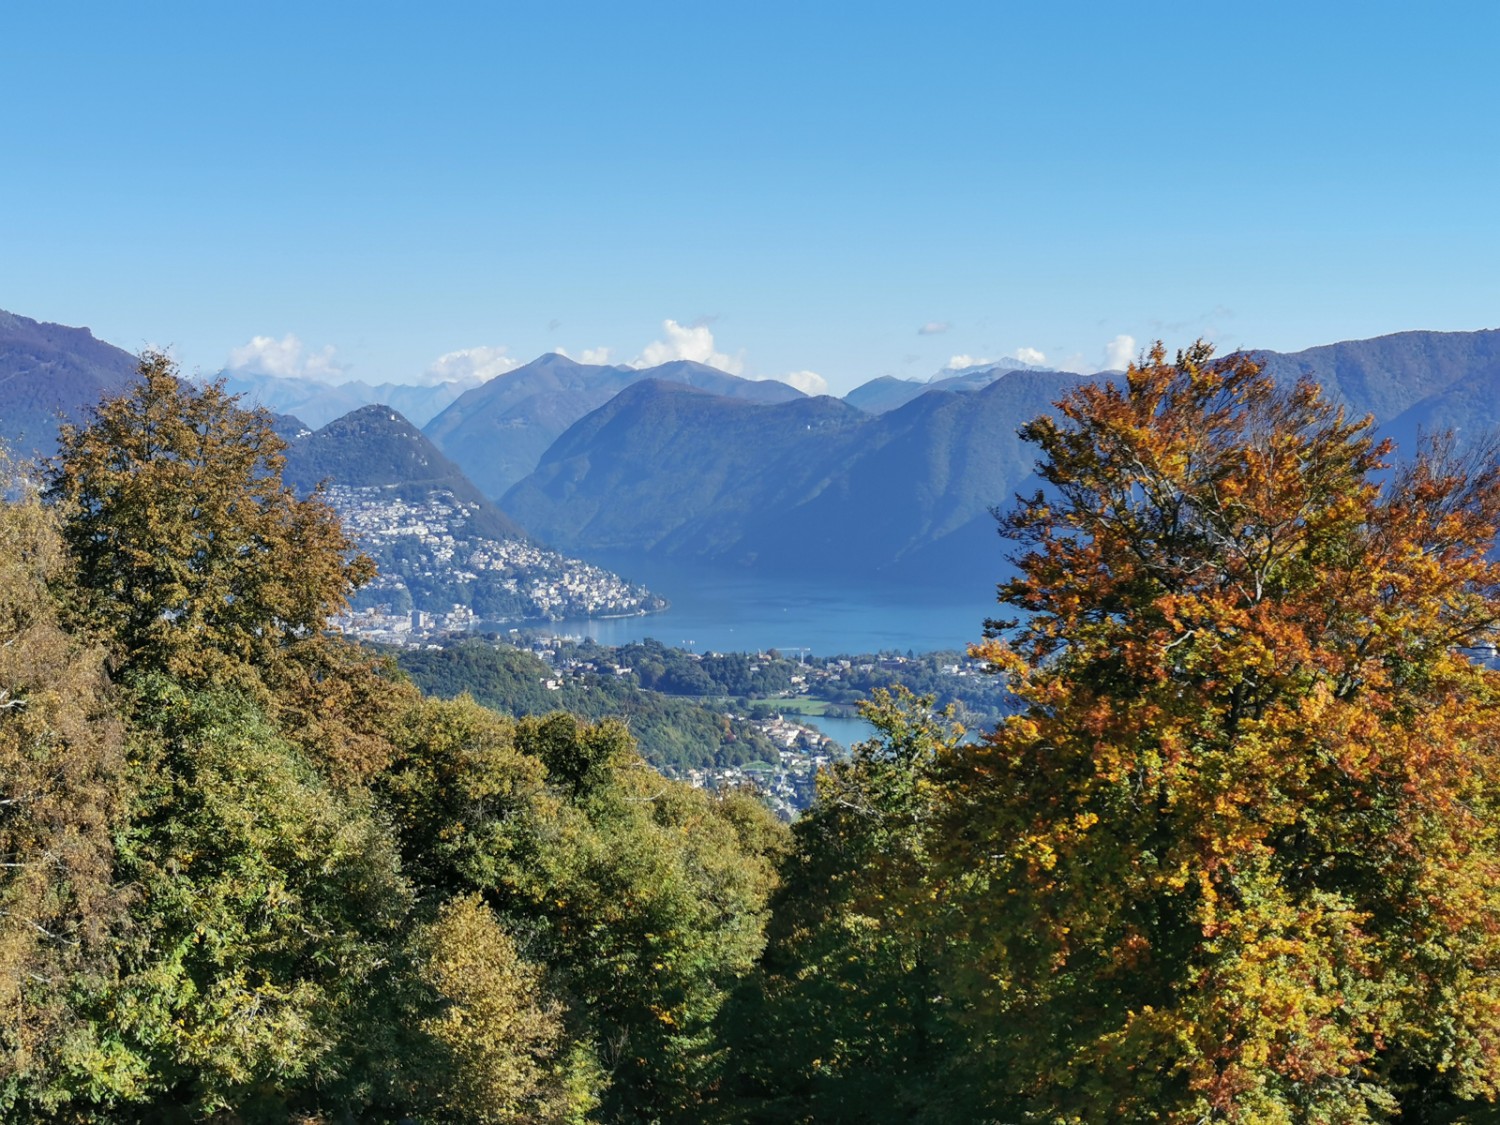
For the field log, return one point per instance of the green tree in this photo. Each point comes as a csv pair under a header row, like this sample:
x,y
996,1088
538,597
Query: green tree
x,y
644,898
1237,857
190,555
843,1021
270,914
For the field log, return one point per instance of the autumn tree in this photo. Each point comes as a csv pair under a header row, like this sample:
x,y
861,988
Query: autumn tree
x,y
62,800
504,1042
1237,858
190,554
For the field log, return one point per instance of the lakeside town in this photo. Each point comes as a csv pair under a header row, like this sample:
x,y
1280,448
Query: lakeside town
x,y
438,572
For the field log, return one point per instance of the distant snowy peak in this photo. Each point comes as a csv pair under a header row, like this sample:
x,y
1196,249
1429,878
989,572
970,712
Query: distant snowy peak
x,y
318,403
996,366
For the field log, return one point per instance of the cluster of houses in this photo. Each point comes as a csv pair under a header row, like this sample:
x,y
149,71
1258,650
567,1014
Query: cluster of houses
x,y
427,552
788,785
379,625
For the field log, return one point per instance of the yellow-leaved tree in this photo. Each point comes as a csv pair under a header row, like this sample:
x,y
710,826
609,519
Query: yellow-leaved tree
x,y
190,553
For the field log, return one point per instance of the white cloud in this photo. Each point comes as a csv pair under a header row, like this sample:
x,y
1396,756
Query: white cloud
x,y
808,382
1119,353
598,356
694,342
1031,355
469,365
959,362
934,328
286,358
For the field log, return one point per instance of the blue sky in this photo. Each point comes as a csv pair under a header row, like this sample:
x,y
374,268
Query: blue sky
x,y
850,190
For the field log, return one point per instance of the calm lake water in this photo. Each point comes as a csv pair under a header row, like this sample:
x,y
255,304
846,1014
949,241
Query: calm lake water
x,y
740,612
846,732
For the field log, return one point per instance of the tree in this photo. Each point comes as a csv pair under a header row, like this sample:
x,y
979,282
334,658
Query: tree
x,y
62,798
1237,857
190,553
504,1041
843,1021
269,919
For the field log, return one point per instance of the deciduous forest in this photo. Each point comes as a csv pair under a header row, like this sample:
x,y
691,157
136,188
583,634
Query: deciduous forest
x,y
1232,854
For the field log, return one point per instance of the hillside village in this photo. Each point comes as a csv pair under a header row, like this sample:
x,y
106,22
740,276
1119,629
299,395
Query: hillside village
x,y
437,571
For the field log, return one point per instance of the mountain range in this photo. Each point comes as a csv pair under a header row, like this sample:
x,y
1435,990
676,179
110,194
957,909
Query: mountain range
x,y
318,403
498,431
815,486
819,486
686,464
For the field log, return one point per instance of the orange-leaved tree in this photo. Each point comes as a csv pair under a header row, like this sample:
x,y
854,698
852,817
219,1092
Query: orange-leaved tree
x,y
1237,857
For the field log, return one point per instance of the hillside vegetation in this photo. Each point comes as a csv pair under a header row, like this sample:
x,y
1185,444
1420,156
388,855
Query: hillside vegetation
x,y
1234,856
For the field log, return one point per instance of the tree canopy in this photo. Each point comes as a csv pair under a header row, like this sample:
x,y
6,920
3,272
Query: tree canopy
x,y
249,873
189,551
1232,855
1236,859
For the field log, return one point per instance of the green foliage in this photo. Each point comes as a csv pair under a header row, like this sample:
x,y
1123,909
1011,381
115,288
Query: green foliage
x,y
643,897
268,905
63,793
669,732
505,1043
843,1022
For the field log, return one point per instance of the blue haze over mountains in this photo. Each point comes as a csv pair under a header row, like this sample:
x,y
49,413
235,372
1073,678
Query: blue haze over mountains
x,y
689,465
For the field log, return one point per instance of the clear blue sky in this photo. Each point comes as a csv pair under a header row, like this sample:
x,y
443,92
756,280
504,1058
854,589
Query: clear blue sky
x,y
813,184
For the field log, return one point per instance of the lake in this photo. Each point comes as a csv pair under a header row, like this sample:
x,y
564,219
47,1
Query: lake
x,y
846,732
739,612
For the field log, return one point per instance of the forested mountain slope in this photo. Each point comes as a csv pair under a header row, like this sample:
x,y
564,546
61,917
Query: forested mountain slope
x,y
813,486
498,431
50,372
907,492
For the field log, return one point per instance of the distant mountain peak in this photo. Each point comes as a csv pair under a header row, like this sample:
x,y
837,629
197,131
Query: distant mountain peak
x,y
998,366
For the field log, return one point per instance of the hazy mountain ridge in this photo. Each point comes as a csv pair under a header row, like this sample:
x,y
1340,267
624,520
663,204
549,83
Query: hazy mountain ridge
x,y
907,492
497,432
811,486
1409,381
889,393
662,464
51,371
319,403
768,478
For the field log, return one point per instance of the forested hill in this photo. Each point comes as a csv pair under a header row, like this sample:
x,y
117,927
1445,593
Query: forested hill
x,y
1412,382
809,490
810,487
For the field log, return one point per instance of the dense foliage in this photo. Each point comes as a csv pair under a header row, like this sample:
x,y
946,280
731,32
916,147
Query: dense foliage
x,y
1234,857
681,733
251,874
1237,859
